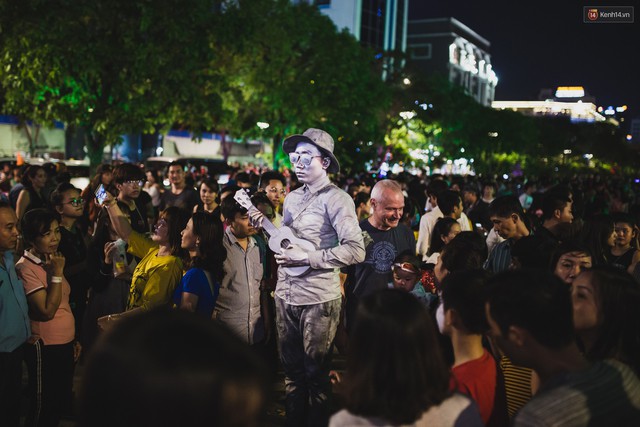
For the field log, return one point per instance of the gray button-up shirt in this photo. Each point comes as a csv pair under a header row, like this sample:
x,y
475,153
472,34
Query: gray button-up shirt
x,y
330,223
238,304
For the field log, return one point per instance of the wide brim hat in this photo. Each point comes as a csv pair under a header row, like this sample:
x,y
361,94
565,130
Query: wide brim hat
x,y
320,139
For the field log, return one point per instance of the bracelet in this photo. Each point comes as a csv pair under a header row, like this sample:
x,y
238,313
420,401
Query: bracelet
x,y
56,279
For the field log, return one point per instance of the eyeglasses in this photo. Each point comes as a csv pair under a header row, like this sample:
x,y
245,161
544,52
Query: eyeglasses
x,y
75,202
304,159
138,183
275,190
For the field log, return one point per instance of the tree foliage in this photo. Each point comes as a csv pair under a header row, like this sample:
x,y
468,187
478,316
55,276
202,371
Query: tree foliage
x,y
112,67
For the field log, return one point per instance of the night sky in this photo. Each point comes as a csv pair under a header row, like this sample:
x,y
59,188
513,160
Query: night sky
x,y
545,44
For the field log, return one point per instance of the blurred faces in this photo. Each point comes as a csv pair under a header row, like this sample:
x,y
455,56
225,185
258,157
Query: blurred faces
x,y
585,307
207,196
48,242
129,190
624,234
160,231
453,232
40,179
405,277
505,226
439,271
566,214
241,226
570,265
107,177
276,192
315,169
8,229
150,178
189,239
176,175
387,211
72,204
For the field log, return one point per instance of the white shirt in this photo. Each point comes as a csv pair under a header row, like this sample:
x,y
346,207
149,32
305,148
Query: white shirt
x,y
427,222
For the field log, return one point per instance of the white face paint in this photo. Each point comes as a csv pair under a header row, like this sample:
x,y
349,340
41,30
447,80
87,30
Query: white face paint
x,y
440,318
315,170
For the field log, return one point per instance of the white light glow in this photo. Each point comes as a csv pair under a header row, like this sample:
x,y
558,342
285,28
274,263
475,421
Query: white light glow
x,y
570,92
262,125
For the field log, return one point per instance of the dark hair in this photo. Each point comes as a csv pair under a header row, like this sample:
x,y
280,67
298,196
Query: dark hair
x,y
212,251
269,176
5,205
535,300
441,228
229,208
463,291
447,200
361,197
396,370
156,176
58,194
436,186
243,177
555,199
410,257
176,163
565,248
35,223
211,184
176,219
97,178
617,297
29,174
467,250
594,236
196,370
228,189
127,172
505,206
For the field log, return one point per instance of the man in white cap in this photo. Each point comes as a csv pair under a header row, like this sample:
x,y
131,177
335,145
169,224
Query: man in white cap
x,y
308,306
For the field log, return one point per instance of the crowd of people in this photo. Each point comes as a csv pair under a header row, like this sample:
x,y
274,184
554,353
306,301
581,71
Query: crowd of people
x,y
456,300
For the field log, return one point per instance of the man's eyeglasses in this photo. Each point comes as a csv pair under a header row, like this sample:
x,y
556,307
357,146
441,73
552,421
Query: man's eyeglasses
x,y
75,202
275,190
138,183
304,159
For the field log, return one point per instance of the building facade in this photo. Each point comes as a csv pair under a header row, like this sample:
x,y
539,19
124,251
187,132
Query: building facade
x,y
379,24
447,47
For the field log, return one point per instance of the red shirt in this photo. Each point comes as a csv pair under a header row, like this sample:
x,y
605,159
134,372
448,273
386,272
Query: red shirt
x,y
479,380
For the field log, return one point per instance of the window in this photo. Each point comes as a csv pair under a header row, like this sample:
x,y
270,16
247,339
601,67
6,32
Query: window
x,y
421,51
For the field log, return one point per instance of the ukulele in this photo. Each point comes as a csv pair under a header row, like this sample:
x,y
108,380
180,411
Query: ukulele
x,y
279,238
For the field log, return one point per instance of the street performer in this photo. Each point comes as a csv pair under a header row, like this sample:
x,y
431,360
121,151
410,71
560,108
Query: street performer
x,y
308,306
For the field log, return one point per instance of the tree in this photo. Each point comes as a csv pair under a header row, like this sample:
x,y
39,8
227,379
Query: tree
x,y
294,70
112,67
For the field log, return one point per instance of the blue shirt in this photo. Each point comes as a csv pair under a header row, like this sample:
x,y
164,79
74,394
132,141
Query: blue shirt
x,y
15,327
195,282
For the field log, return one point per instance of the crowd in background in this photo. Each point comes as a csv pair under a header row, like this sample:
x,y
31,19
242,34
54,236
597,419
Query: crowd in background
x,y
480,302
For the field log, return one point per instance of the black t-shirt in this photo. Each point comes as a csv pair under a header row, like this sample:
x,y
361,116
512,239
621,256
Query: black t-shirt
x,y
187,199
375,272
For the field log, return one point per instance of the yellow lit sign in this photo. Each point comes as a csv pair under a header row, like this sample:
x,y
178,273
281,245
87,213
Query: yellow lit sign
x,y
569,92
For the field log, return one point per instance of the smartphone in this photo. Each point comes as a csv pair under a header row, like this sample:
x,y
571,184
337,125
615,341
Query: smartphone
x,y
101,195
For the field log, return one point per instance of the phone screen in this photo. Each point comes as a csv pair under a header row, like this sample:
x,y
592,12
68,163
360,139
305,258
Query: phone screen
x,y
101,194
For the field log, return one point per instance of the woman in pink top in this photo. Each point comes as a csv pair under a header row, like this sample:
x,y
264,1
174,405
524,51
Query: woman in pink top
x,y
51,357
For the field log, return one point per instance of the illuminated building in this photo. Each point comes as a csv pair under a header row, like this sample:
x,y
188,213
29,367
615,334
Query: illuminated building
x,y
448,47
564,101
379,24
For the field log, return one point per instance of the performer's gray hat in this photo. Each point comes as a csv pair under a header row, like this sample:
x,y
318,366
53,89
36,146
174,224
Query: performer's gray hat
x,y
320,139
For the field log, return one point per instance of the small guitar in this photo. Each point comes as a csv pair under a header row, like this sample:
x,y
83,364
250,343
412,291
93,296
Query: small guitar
x,y
279,238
